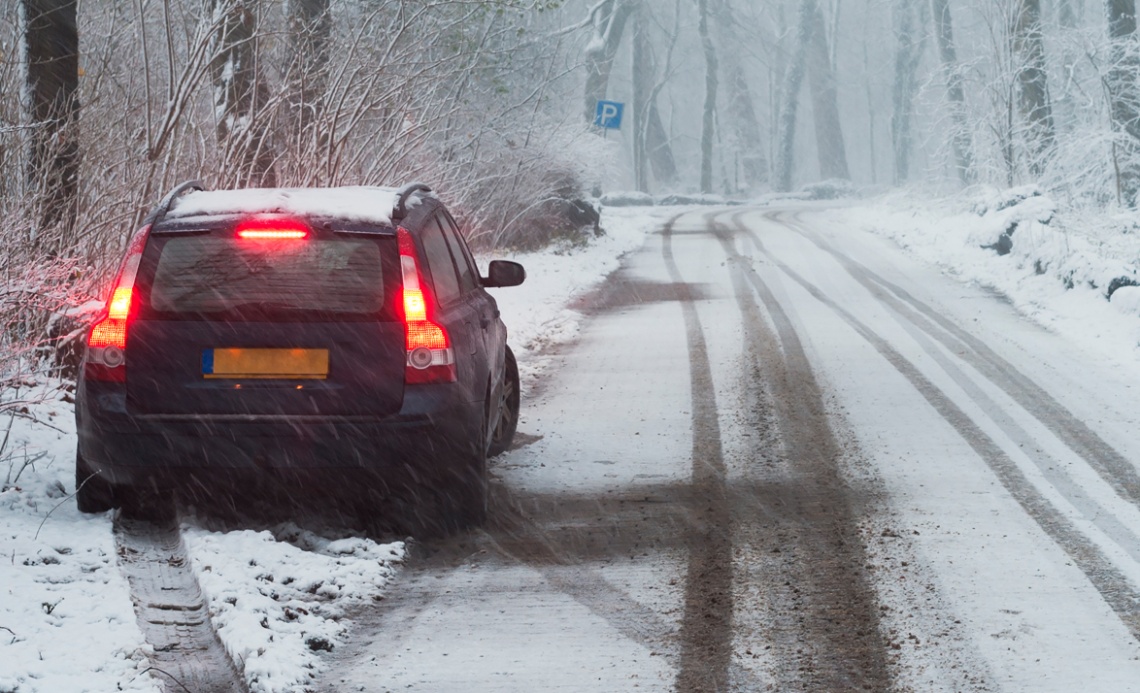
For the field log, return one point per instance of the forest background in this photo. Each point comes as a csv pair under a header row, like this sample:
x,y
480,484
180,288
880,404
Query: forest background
x,y
105,105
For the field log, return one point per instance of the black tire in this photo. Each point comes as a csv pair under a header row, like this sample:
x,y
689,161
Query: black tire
x,y
509,402
93,493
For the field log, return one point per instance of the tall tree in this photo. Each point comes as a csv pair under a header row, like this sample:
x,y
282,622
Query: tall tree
x,y
240,93
650,142
51,44
708,122
790,99
824,98
310,27
1124,97
909,44
741,108
609,18
1033,91
960,140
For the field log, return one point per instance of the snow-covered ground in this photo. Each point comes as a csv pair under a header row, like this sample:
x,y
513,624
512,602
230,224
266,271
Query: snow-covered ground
x,y
1060,267
277,597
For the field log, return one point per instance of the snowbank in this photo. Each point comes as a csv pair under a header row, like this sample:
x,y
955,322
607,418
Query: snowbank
x,y
66,618
1071,271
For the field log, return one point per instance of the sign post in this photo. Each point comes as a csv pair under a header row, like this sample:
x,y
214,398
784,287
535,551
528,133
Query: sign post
x,y
608,115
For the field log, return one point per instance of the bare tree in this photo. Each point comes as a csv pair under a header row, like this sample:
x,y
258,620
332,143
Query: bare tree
x,y
650,140
1124,99
746,126
240,92
1033,93
789,93
825,105
911,42
51,44
708,120
960,140
310,28
608,18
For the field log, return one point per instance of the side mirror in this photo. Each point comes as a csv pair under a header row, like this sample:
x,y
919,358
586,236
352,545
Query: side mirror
x,y
504,273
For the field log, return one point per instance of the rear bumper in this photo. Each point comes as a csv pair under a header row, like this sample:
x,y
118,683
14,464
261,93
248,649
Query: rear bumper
x,y
418,445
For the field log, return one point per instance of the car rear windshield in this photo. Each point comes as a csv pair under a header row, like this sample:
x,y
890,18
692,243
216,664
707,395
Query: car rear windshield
x,y
220,275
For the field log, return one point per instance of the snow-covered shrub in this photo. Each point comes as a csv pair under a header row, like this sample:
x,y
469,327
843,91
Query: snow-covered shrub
x,y
831,189
627,198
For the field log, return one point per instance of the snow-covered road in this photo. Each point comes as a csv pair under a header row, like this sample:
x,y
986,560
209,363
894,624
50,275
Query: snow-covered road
x,y
784,456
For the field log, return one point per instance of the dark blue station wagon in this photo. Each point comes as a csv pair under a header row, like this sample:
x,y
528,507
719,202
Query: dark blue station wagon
x,y
341,333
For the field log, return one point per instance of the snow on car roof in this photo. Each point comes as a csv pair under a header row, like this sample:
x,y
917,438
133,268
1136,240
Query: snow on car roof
x,y
357,203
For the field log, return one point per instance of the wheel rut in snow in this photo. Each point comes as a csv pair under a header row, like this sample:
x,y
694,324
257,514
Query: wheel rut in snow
x,y
706,626
821,606
1112,466
171,609
1114,586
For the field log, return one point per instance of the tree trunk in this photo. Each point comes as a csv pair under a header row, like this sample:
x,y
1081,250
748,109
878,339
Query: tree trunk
x,y
240,93
310,26
1033,91
51,42
709,120
746,126
651,147
609,17
828,128
790,95
1124,97
908,54
960,140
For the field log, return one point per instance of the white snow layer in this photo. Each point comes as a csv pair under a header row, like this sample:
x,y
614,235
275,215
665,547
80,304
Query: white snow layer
x,y
354,203
1059,270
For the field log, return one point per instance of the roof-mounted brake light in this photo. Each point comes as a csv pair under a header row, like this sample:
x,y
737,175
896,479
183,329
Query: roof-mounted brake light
x,y
271,229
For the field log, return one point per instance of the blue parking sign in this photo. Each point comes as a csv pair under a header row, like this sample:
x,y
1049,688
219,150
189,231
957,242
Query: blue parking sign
x,y
608,115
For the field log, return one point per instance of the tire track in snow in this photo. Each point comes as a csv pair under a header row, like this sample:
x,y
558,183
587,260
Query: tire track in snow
x,y
706,626
171,610
1112,466
1115,588
823,609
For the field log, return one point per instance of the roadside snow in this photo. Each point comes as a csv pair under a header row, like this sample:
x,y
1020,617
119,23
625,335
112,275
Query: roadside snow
x,y
1060,269
66,619
278,599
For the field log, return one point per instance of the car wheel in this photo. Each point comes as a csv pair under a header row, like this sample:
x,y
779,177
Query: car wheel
x,y
509,403
93,493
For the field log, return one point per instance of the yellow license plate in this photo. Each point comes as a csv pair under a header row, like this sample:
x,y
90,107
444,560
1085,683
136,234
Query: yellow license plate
x,y
292,364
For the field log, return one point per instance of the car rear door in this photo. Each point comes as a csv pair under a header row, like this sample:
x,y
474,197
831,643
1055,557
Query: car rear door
x,y
271,327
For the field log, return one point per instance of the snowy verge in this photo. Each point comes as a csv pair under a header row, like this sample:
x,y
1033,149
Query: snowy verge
x,y
1071,272
66,618
279,598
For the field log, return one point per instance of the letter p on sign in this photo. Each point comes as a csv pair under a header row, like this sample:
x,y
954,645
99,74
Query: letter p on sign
x,y
608,115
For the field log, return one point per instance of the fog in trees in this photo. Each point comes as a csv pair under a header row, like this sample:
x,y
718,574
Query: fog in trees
x,y
107,105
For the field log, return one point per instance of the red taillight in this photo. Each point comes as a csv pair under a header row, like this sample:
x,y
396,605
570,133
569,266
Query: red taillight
x,y
430,358
107,342
271,229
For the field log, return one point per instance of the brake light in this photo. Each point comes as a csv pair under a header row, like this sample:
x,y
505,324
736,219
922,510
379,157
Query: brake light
x,y
271,229
107,341
430,358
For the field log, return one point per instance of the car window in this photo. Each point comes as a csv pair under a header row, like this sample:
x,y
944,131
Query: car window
x,y
221,274
444,278
468,279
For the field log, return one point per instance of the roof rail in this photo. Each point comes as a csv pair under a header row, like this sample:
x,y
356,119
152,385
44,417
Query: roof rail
x,y
163,207
403,194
